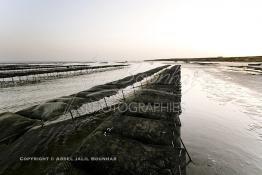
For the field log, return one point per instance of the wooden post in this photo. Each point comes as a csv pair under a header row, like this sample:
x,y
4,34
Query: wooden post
x,y
71,114
186,149
123,95
134,89
13,80
42,123
105,102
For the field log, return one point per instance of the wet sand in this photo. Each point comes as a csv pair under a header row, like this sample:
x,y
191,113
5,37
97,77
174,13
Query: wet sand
x,y
221,120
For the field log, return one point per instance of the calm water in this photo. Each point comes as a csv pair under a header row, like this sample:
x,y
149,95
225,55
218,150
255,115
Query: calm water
x,y
222,120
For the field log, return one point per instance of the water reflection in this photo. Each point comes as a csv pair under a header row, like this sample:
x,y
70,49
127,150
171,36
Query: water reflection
x,y
221,121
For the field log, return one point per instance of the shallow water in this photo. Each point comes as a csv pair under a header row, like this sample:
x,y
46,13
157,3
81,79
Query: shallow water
x,y
222,120
16,98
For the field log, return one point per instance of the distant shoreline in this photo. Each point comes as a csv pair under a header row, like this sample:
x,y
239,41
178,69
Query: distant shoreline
x,y
215,59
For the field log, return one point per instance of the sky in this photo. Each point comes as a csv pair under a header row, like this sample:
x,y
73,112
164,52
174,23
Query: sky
x,y
99,30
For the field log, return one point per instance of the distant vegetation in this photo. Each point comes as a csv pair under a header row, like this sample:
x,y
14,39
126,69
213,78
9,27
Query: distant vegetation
x,y
219,59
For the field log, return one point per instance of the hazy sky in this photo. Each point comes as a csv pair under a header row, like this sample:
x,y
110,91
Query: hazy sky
x,y
43,30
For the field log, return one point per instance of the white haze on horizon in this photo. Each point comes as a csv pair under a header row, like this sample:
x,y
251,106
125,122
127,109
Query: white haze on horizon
x,y
85,30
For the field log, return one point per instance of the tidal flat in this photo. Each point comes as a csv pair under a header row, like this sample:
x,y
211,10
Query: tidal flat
x,y
221,118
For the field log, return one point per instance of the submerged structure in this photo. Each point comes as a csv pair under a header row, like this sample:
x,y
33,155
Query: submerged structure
x,y
140,135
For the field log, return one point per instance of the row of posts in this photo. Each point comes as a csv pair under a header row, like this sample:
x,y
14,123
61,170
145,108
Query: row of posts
x,y
122,93
34,78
